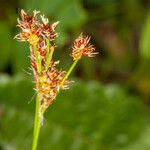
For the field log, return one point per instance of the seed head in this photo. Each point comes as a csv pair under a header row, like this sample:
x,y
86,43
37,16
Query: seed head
x,y
49,82
48,30
81,47
29,26
42,48
34,30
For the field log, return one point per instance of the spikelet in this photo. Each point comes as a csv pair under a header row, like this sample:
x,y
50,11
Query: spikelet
x,y
81,47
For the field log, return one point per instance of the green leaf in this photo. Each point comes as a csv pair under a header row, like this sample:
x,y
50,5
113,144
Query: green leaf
x,y
144,43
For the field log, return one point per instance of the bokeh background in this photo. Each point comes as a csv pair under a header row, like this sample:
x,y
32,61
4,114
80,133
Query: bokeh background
x,y
107,108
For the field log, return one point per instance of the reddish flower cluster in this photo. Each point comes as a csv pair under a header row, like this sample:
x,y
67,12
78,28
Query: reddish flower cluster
x,y
29,25
49,83
48,31
39,33
33,30
82,47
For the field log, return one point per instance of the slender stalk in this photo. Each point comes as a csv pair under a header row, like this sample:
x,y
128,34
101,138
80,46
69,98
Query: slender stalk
x,y
48,47
49,58
37,123
49,54
38,59
66,76
69,72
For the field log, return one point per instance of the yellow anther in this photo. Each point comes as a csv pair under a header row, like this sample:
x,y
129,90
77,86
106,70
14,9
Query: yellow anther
x,y
33,39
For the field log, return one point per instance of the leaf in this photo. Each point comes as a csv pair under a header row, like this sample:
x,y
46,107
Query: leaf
x,y
144,43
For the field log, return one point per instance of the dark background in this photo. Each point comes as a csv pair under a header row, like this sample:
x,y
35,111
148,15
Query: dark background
x,y
107,108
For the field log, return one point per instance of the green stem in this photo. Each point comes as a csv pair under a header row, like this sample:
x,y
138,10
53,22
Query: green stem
x,y
37,124
69,72
48,46
49,54
66,76
38,59
49,58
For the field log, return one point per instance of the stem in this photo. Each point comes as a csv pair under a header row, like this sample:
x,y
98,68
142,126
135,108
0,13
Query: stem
x,y
37,124
49,54
65,77
69,72
49,58
38,59
48,46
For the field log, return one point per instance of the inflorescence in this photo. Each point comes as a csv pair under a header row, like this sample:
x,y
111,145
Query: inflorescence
x,y
40,34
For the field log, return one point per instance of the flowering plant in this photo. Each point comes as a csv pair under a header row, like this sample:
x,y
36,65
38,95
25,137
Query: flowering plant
x,y
40,35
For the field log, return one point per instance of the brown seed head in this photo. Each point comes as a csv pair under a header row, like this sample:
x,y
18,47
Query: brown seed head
x,y
34,30
30,28
48,30
81,47
42,48
49,82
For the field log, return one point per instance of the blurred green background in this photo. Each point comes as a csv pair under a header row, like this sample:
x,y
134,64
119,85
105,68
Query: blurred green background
x,y
107,108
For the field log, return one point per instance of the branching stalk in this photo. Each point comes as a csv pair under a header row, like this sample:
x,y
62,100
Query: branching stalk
x,y
69,72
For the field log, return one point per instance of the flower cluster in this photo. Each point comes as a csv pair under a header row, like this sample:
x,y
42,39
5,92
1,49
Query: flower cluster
x,y
82,47
40,34
33,30
48,83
